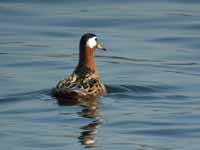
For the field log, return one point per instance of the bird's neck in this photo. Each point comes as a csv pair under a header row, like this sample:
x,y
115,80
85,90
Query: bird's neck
x,y
87,60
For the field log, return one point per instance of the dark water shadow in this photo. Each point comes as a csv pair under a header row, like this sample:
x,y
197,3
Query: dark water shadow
x,y
88,134
2,53
102,58
24,96
124,88
119,59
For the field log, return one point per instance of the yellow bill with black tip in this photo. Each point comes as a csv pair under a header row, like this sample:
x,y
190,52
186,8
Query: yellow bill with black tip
x,y
99,46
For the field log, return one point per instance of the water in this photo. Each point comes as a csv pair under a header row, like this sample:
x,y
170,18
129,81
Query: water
x,y
151,69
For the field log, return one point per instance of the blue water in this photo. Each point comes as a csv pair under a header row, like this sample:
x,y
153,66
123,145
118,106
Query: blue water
x,y
151,68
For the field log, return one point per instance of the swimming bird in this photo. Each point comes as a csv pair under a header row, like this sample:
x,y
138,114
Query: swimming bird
x,y
84,82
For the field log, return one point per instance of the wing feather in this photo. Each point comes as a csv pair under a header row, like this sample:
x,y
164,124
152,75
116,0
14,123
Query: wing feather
x,y
81,86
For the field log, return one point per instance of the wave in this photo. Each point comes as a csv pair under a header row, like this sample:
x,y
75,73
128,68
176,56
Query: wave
x,y
24,96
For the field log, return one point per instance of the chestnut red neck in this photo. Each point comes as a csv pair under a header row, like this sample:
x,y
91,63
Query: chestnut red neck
x,y
87,60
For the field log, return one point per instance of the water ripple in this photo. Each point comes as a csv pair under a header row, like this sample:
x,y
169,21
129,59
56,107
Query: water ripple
x,y
176,132
138,89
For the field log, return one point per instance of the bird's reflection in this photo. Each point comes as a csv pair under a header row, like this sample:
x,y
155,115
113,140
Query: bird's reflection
x,y
89,131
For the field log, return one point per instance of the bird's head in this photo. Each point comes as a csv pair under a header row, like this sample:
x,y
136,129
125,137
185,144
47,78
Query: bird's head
x,y
90,41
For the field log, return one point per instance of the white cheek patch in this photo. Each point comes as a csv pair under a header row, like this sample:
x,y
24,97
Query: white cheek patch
x,y
91,43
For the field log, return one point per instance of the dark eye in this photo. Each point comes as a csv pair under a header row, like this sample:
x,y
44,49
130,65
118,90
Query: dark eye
x,y
96,39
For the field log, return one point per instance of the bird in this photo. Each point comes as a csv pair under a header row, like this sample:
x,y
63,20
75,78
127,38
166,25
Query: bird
x,y
84,82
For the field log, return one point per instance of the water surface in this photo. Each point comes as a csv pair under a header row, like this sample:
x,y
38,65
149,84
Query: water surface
x,y
151,69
